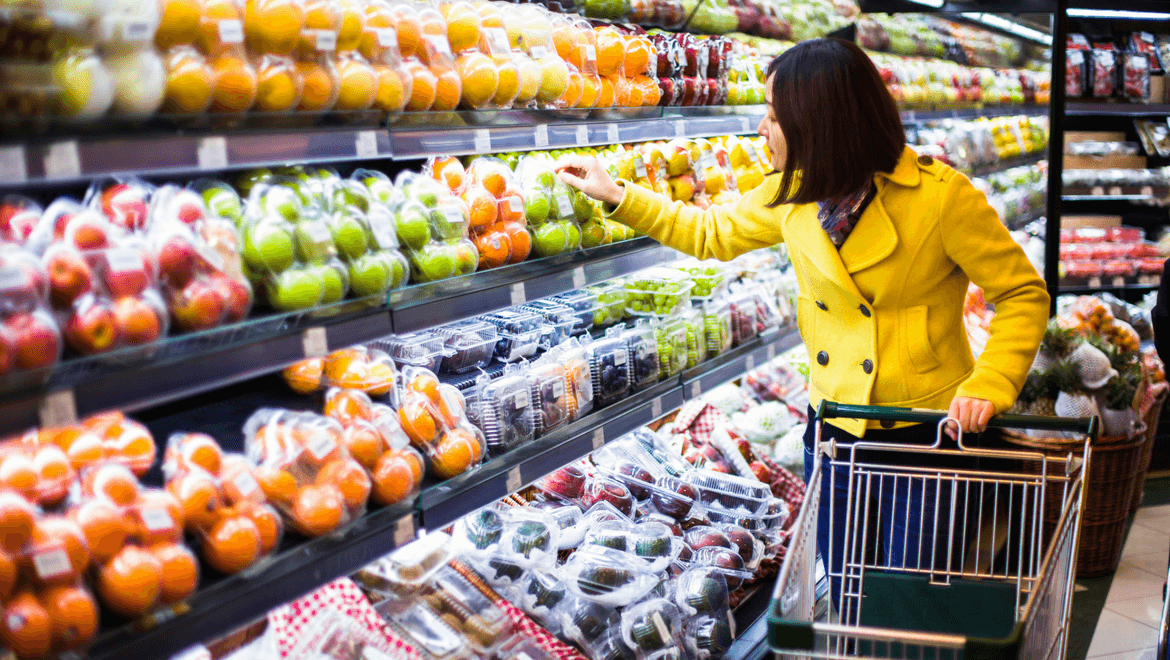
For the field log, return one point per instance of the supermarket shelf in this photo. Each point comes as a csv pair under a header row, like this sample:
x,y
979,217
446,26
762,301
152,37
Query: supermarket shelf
x,y
1145,283
1088,109
1123,197
240,599
914,116
1007,164
738,361
178,367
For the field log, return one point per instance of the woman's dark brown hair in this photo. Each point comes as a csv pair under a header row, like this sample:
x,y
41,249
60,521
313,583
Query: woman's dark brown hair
x,y
838,119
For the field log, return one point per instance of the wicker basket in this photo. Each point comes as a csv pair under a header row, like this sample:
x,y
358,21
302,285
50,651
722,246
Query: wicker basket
x,y
1110,490
1152,418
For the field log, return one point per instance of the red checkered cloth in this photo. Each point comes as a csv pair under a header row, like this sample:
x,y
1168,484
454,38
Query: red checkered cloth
x,y
342,595
543,638
700,420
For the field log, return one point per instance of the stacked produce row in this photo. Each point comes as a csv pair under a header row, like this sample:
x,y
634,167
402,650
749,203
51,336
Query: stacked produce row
x,y
1108,253
1121,68
968,145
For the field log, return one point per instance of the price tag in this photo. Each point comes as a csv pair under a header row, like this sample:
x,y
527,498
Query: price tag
x,y
680,128
598,438
750,363
517,294
656,409
1097,191
538,52
558,388
58,409
582,135
231,31
1118,281
318,232
157,518
62,160
540,136
12,165
590,53
639,167
137,31
246,483
1115,190
366,144
387,37
611,134
660,625
321,445
383,234
403,531
454,216
212,153
498,40
326,40
771,352
564,205
121,260
578,277
1144,279
619,359
696,389
314,342
513,482
1095,282
520,399
440,45
483,141
516,204
745,124
50,564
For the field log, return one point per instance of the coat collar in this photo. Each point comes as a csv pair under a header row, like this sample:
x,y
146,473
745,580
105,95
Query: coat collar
x,y
906,173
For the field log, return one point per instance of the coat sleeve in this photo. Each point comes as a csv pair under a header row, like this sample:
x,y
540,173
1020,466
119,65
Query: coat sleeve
x,y
976,240
723,232
1161,319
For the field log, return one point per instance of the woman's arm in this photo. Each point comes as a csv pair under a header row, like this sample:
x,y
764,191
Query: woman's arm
x,y
722,232
976,240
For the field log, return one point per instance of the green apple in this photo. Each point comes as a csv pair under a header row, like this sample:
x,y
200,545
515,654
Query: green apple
x,y
297,288
347,192
594,233
224,202
435,262
379,187
537,207
334,281
414,229
546,178
282,201
573,230
350,234
583,207
248,180
314,240
466,257
399,267
269,245
551,238
369,274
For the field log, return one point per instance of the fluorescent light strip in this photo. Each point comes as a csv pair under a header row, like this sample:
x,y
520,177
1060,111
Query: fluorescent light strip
x,y
1118,13
937,4
992,20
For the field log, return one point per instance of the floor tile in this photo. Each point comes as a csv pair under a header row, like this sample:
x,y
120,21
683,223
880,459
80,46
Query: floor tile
x,y
1115,634
1148,514
1131,582
1145,540
1144,654
1147,609
1154,563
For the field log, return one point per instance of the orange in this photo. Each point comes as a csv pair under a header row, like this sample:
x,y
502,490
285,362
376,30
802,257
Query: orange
x,y
51,535
463,25
358,85
72,614
621,91
381,378
576,87
447,89
482,205
348,405
162,499
454,454
606,97
364,443
638,53
393,90
493,176
422,87
417,421
511,206
319,509
113,481
324,15
611,51
410,34
135,445
27,629
267,523
199,498
278,86
203,451
18,473
321,87
273,26
178,23
304,377
278,485
237,483
351,479
180,571
232,545
105,528
346,368
322,444
353,21
426,384
395,476
54,474
565,40
215,11
450,405
521,241
132,582
235,87
189,82
154,524
634,98
478,77
590,91
16,521
651,94
85,450
449,171
8,575
494,248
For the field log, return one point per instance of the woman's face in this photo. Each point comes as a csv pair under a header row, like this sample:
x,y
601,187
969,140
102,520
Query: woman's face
x,y
770,130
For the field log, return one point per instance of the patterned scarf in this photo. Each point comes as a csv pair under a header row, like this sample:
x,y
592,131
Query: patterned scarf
x,y
839,216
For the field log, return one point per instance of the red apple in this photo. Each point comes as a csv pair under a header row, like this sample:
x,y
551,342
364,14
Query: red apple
x,y
188,206
198,306
137,321
37,340
88,231
236,295
176,260
126,273
92,328
125,205
69,275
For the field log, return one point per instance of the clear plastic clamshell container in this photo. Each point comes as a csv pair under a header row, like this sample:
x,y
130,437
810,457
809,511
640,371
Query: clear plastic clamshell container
x,y
578,378
559,322
585,305
468,345
643,347
611,303
701,590
607,577
651,542
479,532
485,626
725,561
657,291
507,413
519,332
743,318
419,349
609,366
652,627
550,396
663,494
729,492
403,572
717,324
709,277
671,335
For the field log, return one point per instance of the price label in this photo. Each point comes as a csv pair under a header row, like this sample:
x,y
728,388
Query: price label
x,y
58,409
516,204
321,445
326,40
696,389
13,168
157,519
366,144
314,342
137,31
1144,279
62,160
1118,281
538,52
403,531
387,37
619,359
540,136
598,438
745,124
582,135
483,141
212,153
590,53
122,260
1115,190
454,216
660,625
750,363
578,277
611,134
520,399
513,482
246,483
383,234
771,352
51,564
517,294
656,409
498,41
231,31
680,128
558,388
564,205
639,167
1094,282
440,45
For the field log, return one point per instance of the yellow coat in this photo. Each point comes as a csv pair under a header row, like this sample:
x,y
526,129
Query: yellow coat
x,y
883,317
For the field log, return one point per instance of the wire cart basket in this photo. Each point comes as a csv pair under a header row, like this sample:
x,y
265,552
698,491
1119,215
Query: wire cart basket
x,y
946,551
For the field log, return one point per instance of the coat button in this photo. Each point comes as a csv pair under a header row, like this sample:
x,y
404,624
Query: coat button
x,y
823,306
925,160
887,423
822,358
867,367
864,310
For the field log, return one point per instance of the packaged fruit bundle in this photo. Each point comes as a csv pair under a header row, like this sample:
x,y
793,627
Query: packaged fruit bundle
x,y
650,542
578,378
559,321
609,366
537,40
718,326
743,317
643,348
519,332
607,577
420,349
434,419
507,415
433,229
224,501
468,345
709,278
378,46
696,333
29,333
478,71
373,435
551,396
585,305
611,302
37,468
357,367
658,291
208,67
106,437
403,573
321,486
549,207
497,213
437,85
671,336
46,605
125,41
576,45
314,56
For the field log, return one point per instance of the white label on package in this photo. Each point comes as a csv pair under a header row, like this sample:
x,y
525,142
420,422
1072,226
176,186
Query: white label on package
x,y
387,37
315,342
515,204
246,483
578,277
513,481
136,31
51,564
660,625
58,409
1115,191
404,531
231,31
366,144
680,128
582,135
322,445
318,232
12,165
598,438
564,205
656,408
483,141
619,358
1094,282
1118,281
558,388
590,53
540,136
517,294
211,153
62,160
538,52
639,167
612,134
157,519
383,234
520,399
498,40
121,260
440,44
326,40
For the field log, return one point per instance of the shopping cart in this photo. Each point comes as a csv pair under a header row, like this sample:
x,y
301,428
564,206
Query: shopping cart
x,y
1164,623
984,570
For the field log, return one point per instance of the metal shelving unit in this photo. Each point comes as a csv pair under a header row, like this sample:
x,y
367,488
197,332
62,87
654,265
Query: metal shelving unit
x,y
1089,109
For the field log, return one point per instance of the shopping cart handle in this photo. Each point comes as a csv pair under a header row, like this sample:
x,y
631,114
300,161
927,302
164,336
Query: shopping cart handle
x,y
832,409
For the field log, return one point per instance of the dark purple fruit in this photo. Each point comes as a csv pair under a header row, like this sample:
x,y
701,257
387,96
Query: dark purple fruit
x,y
635,473
612,491
567,482
706,537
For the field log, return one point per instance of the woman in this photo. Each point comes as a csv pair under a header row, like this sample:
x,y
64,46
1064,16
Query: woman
x,y
883,243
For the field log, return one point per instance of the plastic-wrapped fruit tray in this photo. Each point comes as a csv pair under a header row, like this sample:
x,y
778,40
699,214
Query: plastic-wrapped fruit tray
x,y
519,333
584,304
643,348
729,492
507,414
609,366
469,345
657,292
420,349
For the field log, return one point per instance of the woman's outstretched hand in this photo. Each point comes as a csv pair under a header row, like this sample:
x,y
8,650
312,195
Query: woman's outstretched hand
x,y
972,414
587,174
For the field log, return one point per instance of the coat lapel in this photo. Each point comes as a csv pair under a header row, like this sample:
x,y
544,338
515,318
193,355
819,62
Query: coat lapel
x,y
873,239
805,232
